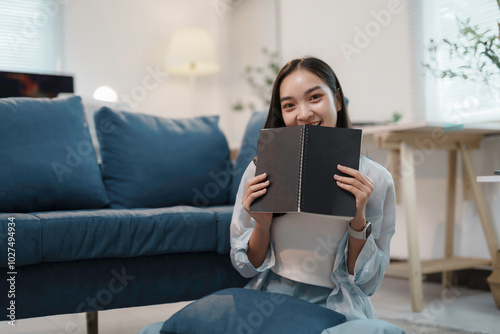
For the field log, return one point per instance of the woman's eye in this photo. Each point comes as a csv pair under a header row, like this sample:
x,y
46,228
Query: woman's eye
x,y
315,96
288,105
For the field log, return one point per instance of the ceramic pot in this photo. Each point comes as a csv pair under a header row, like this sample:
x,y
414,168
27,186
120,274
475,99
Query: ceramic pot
x,y
494,280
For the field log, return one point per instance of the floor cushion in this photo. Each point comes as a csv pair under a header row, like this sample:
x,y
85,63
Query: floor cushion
x,y
238,310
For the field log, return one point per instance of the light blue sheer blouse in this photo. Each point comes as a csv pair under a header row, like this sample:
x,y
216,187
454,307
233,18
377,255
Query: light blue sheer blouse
x,y
350,294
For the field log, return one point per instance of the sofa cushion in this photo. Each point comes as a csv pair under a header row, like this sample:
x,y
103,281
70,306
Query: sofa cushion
x,y
248,149
151,162
26,232
238,310
223,216
72,235
50,162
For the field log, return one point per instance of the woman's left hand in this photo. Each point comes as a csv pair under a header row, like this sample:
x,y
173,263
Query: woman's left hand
x,y
360,185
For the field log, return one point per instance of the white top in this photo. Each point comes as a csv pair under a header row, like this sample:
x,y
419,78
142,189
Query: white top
x,y
347,294
299,247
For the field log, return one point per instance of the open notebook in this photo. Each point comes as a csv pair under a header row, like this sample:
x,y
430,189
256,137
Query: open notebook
x,y
300,162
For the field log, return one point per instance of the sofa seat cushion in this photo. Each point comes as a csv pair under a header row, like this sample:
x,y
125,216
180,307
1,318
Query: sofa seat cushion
x,y
223,215
26,239
48,160
154,162
71,235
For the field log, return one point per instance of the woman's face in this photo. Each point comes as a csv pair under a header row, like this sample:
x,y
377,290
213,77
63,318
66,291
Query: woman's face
x,y
306,99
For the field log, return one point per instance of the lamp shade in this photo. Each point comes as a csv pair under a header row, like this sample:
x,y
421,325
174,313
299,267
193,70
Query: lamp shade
x,y
192,51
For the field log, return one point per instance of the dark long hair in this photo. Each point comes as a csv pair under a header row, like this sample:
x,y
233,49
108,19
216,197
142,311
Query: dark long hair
x,y
324,72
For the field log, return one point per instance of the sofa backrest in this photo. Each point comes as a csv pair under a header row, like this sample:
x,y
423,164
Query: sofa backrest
x,y
50,163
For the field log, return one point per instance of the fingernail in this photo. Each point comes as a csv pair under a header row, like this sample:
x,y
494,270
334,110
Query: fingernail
x,y
339,166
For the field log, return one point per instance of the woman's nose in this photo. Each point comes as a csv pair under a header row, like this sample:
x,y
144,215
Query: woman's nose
x,y
304,113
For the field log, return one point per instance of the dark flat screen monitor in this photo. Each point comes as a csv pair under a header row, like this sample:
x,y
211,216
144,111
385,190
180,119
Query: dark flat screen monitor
x,y
16,84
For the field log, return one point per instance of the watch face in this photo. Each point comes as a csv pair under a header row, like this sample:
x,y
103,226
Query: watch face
x,y
368,230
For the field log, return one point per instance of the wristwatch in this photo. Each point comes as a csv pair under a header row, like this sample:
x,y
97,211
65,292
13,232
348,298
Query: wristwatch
x,y
363,234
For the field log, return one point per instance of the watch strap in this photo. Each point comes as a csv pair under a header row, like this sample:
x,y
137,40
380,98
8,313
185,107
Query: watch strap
x,y
363,234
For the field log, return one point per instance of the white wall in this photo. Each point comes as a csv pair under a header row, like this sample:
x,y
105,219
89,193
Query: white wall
x,y
251,27
121,42
374,71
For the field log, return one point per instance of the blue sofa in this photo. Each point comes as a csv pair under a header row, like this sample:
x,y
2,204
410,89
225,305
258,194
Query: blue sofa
x,y
148,225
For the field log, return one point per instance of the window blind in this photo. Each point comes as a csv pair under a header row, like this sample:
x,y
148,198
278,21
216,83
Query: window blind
x,y
454,100
30,35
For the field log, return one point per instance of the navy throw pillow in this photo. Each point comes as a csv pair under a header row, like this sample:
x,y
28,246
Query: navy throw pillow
x,y
152,162
248,149
238,310
48,160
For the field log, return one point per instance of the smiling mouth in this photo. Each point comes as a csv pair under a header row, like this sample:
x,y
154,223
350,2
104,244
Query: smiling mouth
x,y
316,123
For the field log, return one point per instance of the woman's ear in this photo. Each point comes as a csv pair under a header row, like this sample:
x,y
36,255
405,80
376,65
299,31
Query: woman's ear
x,y
338,101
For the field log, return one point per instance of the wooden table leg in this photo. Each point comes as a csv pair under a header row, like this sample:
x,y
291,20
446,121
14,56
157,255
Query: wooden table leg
x,y
466,190
447,278
395,170
482,209
410,203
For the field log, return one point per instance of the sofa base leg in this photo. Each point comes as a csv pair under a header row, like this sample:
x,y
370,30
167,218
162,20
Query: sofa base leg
x,y
92,323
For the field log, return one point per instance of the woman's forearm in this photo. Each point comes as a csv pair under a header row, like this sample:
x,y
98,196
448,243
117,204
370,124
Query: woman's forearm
x,y
258,245
355,245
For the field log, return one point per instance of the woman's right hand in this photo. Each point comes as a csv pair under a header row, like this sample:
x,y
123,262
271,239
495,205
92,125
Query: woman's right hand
x,y
255,188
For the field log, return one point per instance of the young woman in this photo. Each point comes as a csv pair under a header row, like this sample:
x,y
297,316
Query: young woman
x,y
334,264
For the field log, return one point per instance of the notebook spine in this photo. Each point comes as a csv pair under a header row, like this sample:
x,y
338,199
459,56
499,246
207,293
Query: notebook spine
x,y
300,174
303,169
